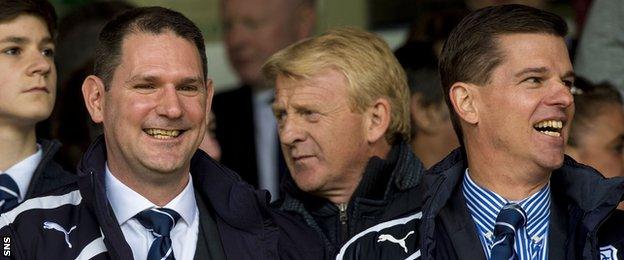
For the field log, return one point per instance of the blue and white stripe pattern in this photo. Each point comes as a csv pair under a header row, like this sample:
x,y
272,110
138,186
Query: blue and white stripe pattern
x,y
9,193
160,222
532,240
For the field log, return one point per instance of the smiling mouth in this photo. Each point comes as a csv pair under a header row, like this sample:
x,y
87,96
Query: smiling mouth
x,y
549,127
163,133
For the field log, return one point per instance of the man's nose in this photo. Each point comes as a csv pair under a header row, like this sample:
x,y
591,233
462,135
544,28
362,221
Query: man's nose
x,y
237,35
169,104
39,64
561,95
291,131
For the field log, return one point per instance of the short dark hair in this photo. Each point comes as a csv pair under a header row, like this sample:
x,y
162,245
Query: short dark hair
x,y
11,9
589,103
154,20
471,52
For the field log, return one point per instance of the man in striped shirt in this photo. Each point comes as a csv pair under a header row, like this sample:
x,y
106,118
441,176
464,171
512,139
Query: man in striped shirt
x,y
507,76
508,192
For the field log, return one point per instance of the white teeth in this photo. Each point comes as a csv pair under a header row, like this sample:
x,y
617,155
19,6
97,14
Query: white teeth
x,y
557,134
162,133
549,123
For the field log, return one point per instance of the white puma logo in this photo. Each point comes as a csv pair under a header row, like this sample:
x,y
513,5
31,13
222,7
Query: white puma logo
x,y
57,227
390,238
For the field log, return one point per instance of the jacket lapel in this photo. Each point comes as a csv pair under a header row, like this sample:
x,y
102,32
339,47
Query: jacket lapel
x,y
558,227
208,238
459,224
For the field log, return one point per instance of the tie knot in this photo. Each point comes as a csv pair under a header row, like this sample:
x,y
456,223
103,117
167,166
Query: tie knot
x,y
160,221
509,219
9,192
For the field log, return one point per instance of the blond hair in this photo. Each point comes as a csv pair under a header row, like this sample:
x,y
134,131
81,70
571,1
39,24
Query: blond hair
x,y
364,59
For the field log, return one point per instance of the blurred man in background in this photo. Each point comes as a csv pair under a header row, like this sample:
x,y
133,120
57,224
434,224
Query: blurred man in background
x,y
432,132
597,133
253,30
27,95
597,139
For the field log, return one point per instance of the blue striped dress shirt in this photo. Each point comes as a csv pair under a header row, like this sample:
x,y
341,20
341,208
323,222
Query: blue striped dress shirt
x,y
531,240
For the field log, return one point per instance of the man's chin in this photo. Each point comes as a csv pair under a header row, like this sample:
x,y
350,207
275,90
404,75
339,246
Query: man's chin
x,y
309,186
164,167
552,163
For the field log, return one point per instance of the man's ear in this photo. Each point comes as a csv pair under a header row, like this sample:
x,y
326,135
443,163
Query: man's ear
x,y
463,97
209,95
93,94
377,120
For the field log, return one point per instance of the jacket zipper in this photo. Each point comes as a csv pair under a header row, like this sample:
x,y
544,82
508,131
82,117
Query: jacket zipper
x,y
344,227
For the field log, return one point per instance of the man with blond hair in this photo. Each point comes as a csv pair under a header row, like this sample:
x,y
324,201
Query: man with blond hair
x,y
341,105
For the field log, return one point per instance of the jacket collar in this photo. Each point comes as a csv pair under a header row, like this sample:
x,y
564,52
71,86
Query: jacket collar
x,y
578,191
583,186
91,184
220,187
400,171
233,201
48,175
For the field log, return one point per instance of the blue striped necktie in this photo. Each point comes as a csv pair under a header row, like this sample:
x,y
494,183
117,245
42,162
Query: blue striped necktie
x,y
159,221
511,218
9,192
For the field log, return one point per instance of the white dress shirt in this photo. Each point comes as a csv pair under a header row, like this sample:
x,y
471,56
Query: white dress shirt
x,y
126,203
266,142
23,171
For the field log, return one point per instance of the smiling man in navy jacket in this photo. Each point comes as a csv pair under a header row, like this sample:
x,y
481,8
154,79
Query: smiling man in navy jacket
x,y
145,191
509,192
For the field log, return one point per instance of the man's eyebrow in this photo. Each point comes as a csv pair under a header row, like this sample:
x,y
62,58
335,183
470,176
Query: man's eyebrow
x,y
14,39
191,80
47,40
151,78
142,77
531,70
569,74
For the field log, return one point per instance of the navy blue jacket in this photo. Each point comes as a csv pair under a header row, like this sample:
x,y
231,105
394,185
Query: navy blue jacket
x,y
248,228
379,195
437,224
48,175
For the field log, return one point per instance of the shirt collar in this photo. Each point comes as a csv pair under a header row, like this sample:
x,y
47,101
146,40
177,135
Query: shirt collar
x,y
484,205
126,203
23,171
